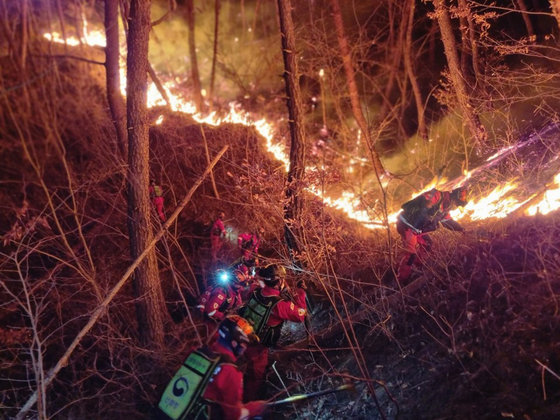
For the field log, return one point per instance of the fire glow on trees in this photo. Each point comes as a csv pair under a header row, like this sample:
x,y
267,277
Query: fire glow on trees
x,y
498,203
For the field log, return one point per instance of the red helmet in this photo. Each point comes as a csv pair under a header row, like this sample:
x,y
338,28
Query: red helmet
x,y
459,196
241,274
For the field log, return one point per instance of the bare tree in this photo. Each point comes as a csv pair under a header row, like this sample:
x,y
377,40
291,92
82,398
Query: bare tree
x,y
114,97
408,64
555,6
353,88
215,52
150,303
461,91
293,207
197,89
470,44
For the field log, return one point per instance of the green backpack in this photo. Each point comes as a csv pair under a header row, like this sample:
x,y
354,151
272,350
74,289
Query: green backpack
x,y
157,191
182,398
257,311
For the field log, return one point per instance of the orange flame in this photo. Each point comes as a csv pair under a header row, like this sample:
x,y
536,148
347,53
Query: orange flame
x,y
499,203
550,201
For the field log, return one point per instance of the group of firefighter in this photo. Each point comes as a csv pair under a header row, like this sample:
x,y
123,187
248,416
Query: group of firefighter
x,y
247,303
243,309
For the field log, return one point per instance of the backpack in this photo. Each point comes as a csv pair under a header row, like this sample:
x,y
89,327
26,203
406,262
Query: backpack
x,y
416,211
257,311
207,294
182,398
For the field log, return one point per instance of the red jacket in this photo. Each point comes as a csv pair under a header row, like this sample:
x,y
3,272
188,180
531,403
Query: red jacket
x,y
226,389
218,228
217,300
249,242
286,310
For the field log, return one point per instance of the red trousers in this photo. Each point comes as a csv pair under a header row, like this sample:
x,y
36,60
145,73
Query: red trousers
x,y
257,361
216,243
416,246
158,203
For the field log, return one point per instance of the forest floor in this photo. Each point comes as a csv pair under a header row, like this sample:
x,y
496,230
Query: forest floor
x,y
479,340
474,336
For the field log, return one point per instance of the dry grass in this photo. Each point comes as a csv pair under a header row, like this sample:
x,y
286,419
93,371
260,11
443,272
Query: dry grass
x,y
477,340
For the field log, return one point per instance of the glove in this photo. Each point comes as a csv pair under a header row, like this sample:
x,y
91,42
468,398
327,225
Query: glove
x,y
256,408
301,284
430,227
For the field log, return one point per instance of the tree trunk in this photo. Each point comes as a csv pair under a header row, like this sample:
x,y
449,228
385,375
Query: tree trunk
x,y
114,97
472,46
555,6
408,64
215,52
150,306
461,92
353,88
195,76
294,204
393,58
465,42
526,18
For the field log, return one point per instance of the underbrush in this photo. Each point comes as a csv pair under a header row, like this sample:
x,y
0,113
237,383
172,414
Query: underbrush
x,y
65,242
473,337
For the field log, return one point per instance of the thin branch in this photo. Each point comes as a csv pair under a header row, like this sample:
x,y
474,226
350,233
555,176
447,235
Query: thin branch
x,y
102,308
172,8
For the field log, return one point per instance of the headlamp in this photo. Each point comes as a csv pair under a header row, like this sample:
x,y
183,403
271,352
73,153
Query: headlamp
x,y
223,277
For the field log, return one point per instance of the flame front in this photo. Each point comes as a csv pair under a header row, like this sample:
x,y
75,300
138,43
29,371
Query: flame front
x,y
550,201
499,203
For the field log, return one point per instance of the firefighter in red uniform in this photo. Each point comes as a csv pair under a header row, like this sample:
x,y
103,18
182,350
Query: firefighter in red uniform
x,y
424,214
218,381
156,195
225,294
217,235
267,310
248,243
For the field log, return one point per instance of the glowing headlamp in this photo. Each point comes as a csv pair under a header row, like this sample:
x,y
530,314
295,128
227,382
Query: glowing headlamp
x,y
223,277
